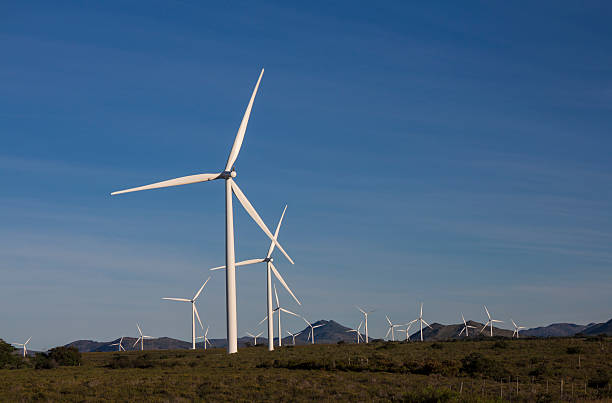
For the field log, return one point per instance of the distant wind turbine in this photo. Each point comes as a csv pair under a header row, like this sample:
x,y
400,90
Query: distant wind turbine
x,y
294,335
365,314
141,338
194,312
466,327
228,174
206,341
119,345
391,328
24,346
517,329
270,268
357,331
280,309
312,328
408,325
254,336
421,321
490,322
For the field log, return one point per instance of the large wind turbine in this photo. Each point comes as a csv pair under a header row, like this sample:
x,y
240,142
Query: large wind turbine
x,y
490,322
119,345
25,346
365,314
228,174
294,335
357,331
194,312
391,328
517,329
280,309
254,336
205,337
421,321
141,338
465,327
270,268
312,328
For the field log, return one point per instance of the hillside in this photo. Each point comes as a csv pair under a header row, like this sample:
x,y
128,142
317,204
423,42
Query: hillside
x,y
440,332
599,328
554,330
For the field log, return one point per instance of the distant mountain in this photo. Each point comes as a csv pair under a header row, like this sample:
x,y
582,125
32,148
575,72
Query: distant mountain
x,y
330,333
599,328
161,343
554,330
439,332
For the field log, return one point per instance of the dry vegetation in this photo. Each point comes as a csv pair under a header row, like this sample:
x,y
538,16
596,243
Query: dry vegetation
x,y
415,372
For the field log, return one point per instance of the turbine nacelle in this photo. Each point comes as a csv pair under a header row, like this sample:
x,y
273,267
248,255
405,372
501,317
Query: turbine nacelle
x,y
227,174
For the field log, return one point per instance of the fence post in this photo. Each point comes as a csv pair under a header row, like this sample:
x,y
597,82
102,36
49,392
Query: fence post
x,y
561,388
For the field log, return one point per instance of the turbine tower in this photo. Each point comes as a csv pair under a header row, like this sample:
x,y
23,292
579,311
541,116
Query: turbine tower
x,y
228,175
357,331
517,329
421,321
365,314
490,322
141,338
194,312
119,345
269,270
465,327
24,346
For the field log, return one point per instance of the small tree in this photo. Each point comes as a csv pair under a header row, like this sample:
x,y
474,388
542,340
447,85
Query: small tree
x,y
8,359
66,356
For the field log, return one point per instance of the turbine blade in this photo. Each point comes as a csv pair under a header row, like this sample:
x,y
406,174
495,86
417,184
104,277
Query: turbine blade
x,y
263,320
177,299
28,341
136,342
243,263
250,334
184,180
390,324
195,309
201,288
289,312
488,314
388,331
427,324
271,249
242,129
251,210
362,311
282,281
139,331
276,296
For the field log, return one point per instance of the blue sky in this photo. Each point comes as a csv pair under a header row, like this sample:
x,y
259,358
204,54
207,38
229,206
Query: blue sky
x,y
448,153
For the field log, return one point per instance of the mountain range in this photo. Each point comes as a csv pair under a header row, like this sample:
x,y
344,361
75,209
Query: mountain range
x,y
333,332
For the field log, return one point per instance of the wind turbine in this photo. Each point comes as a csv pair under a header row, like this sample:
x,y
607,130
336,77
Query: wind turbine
x,y
408,325
280,309
25,346
517,329
254,337
365,314
312,328
206,341
194,312
293,336
119,345
357,331
490,322
228,174
421,321
465,327
270,268
141,338
391,328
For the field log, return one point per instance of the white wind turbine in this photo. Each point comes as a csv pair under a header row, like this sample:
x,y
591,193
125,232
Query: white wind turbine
x,y
294,335
408,325
24,346
194,312
141,338
270,268
365,314
280,309
421,321
205,337
465,327
391,328
228,174
312,328
357,331
490,322
254,337
517,329
119,345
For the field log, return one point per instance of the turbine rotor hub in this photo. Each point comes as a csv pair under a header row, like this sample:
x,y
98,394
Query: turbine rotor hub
x,y
228,174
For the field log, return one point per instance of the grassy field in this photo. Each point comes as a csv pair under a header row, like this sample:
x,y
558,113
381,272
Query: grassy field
x,y
420,372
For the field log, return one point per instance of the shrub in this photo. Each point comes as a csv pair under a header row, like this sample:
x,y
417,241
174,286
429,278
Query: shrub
x,y
436,346
66,356
476,363
8,359
500,344
573,350
43,361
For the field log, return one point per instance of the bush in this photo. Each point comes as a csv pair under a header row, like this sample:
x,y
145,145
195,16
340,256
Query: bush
x,y
66,356
43,361
573,350
500,344
436,346
8,359
475,363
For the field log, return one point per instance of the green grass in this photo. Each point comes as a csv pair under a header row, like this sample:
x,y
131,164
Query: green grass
x,y
415,372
